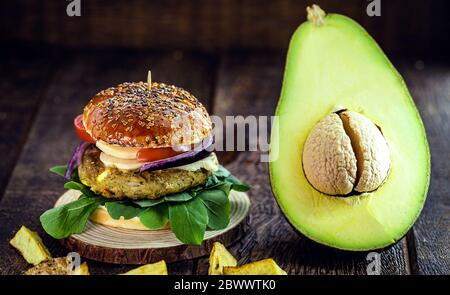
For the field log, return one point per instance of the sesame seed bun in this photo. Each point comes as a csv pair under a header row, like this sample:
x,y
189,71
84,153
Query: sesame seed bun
x,y
132,115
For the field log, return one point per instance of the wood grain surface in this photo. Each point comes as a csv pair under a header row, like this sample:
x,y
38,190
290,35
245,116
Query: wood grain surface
x,y
240,83
22,89
430,239
405,27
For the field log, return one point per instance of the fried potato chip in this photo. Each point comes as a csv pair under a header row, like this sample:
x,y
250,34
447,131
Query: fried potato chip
x,y
261,267
219,258
83,270
157,268
58,266
30,246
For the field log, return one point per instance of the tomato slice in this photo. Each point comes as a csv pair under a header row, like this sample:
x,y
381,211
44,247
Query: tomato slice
x,y
143,155
81,131
154,154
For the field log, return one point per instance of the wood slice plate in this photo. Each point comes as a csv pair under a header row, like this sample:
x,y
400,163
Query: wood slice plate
x,y
128,246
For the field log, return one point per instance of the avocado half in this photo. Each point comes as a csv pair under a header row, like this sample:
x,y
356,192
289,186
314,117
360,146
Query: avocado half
x,y
334,64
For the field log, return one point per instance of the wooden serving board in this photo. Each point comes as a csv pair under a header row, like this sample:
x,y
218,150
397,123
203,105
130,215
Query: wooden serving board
x,y
127,246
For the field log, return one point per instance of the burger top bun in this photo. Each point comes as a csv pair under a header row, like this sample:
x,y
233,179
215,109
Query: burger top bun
x,y
131,115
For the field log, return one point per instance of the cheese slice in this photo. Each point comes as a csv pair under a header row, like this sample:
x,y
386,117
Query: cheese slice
x,y
124,164
210,163
128,153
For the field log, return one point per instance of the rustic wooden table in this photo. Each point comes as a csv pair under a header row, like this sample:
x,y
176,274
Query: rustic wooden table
x,y
42,90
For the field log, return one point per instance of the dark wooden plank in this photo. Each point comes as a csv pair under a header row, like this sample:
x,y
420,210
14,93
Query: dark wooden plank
x,y
429,83
32,188
249,84
24,79
224,24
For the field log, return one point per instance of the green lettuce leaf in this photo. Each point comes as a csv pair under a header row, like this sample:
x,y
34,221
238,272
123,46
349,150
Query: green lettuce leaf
x,y
155,217
61,222
81,187
149,202
179,197
122,209
188,221
218,205
60,170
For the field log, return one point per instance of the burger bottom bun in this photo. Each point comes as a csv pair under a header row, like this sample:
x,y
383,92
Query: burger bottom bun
x,y
101,216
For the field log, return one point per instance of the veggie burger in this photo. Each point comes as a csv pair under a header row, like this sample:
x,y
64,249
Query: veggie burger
x,y
144,163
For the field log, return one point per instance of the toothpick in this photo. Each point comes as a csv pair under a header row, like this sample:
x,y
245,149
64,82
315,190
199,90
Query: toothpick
x,y
149,80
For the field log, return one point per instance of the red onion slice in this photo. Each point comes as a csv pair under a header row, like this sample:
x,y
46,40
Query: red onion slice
x,y
76,158
198,153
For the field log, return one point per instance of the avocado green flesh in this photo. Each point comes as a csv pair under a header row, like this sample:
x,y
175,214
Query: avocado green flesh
x,y
329,67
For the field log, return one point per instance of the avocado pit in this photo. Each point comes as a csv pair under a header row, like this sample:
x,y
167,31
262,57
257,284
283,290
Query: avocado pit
x,y
346,153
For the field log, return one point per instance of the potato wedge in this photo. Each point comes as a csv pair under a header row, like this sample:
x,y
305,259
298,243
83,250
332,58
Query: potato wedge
x,y
261,267
83,270
157,268
57,266
219,258
30,246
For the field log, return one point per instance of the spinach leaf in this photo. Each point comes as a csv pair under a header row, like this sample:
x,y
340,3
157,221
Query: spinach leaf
x,y
222,172
80,187
241,187
149,202
118,209
180,197
225,187
155,217
225,176
74,185
188,221
218,205
74,176
60,170
212,180
237,185
61,222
